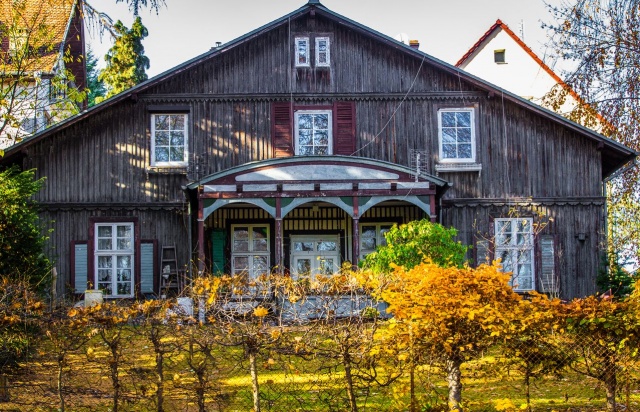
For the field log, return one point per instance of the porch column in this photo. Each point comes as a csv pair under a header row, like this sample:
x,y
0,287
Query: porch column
x,y
356,233
279,235
200,233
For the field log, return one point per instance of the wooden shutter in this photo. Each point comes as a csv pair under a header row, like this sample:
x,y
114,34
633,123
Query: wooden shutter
x,y
80,267
482,252
148,266
218,241
548,280
282,129
344,128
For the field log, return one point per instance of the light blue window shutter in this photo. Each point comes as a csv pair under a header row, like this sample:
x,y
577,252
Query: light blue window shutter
x,y
81,267
146,267
483,254
548,280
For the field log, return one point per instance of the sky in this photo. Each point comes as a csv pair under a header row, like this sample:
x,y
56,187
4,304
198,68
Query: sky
x,y
446,29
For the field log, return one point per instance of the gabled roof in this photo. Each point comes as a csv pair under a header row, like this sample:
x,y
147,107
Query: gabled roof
x,y
615,155
492,32
56,17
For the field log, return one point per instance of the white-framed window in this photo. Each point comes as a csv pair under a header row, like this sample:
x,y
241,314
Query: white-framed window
x,y
456,135
313,135
114,259
372,236
169,139
302,52
250,251
313,255
514,247
323,56
499,56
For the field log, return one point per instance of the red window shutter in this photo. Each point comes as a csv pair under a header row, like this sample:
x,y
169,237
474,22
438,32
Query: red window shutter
x,y
282,129
344,128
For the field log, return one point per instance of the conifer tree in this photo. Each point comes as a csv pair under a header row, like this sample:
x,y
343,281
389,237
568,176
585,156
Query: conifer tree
x,y
95,86
126,62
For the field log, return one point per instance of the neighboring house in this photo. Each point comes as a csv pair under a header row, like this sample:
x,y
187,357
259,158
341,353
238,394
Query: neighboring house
x,y
502,58
55,28
297,146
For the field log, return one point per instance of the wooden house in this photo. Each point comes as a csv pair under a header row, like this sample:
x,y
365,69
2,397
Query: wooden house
x,y
55,29
297,146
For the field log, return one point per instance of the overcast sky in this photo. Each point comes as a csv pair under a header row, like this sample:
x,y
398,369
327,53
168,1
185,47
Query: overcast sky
x,y
446,29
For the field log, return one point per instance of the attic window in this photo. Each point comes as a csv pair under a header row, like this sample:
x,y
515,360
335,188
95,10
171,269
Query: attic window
x,y
322,52
499,56
302,52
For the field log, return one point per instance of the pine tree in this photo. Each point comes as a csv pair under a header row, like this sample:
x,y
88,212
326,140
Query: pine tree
x,y
126,62
97,89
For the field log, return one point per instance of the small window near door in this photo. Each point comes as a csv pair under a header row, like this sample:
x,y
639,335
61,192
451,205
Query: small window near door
x,y
302,52
249,252
372,236
314,255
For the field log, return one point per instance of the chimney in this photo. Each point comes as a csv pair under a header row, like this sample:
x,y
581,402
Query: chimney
x,y
414,43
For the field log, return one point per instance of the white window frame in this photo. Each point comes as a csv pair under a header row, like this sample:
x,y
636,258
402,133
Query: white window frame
x,y
518,253
298,41
327,53
315,256
185,131
114,253
472,128
250,253
379,239
297,145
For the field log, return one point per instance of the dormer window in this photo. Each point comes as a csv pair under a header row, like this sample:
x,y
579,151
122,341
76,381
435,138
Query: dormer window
x,y
322,52
499,56
302,52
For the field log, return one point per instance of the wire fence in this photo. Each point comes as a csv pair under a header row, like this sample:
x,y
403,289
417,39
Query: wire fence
x,y
243,359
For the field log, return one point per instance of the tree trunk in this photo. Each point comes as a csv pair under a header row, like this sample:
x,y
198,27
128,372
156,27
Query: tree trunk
x,y
4,388
255,388
611,384
454,384
160,380
61,405
350,387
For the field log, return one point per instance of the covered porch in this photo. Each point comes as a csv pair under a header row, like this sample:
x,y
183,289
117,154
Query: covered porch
x,y
304,215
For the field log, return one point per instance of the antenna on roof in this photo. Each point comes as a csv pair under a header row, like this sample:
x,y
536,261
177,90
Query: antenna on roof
x,y
419,162
402,38
522,29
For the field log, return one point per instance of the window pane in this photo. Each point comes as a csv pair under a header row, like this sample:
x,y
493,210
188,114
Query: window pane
x,y
448,135
464,151
124,275
260,266
448,119
162,138
104,262
326,267
124,231
106,288
306,150
449,151
327,246
305,121
368,244
124,244
303,246
124,288
463,119
162,122
322,150
177,122
383,231
162,154
177,154
303,267
305,137
240,263
104,244
321,121
321,138
524,225
464,135
241,245
124,262
104,275
177,139
104,231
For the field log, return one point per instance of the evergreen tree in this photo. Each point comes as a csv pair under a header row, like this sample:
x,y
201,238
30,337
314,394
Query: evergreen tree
x,y
126,62
97,89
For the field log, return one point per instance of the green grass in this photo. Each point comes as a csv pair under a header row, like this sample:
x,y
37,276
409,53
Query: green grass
x,y
287,383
